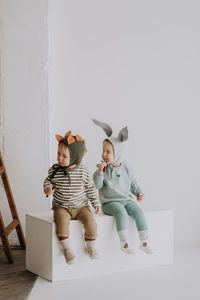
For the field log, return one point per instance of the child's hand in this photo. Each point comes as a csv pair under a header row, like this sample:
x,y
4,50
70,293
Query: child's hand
x,y
102,166
97,209
140,197
49,191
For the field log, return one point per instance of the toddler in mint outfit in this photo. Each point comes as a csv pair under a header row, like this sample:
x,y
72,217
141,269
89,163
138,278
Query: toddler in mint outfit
x,y
118,188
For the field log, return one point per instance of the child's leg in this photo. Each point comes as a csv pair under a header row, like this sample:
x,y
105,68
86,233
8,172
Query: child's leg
x,y
117,210
85,216
135,212
62,220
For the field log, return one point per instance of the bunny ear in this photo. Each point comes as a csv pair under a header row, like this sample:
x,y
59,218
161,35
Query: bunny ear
x,y
123,134
59,137
104,126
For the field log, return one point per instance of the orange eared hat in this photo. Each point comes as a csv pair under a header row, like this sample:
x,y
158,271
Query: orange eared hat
x,y
76,146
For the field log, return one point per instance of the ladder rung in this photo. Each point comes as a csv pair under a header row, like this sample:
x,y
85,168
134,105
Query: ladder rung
x,y
2,170
11,226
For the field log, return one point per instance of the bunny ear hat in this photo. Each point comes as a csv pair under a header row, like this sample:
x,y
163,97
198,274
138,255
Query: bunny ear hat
x,y
117,142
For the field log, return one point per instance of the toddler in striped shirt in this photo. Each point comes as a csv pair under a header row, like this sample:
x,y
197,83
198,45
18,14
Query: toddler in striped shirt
x,y
73,188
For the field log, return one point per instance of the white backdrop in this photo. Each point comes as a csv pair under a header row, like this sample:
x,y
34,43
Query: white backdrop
x,y
24,127
134,63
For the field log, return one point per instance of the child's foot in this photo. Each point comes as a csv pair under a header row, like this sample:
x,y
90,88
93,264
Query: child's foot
x,y
92,253
144,246
69,256
90,248
128,248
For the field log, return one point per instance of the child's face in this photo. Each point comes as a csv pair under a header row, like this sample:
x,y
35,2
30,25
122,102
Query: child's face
x,y
63,155
108,152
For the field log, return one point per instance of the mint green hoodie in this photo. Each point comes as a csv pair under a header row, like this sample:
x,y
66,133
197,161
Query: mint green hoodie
x,y
116,184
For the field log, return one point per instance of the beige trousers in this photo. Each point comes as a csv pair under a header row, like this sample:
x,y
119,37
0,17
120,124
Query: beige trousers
x,y
62,217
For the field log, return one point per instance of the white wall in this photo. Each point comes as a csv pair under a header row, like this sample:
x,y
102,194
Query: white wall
x,y
134,63
24,123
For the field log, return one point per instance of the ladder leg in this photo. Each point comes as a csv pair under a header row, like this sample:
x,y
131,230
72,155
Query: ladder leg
x,y
11,203
21,236
7,250
5,242
13,209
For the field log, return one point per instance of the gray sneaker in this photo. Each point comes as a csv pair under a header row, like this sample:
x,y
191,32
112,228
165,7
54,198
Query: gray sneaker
x,y
69,256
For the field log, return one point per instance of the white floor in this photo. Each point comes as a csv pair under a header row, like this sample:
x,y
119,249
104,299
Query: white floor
x,y
178,281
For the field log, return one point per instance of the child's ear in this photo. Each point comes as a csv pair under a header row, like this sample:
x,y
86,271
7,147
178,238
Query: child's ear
x,y
123,134
104,126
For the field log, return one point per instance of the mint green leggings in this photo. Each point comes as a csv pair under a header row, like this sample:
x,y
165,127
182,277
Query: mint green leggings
x,y
120,211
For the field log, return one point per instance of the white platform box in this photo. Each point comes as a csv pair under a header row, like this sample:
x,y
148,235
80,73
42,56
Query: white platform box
x,y
44,256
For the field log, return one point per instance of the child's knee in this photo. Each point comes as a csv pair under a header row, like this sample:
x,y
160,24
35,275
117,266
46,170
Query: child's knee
x,y
62,232
120,214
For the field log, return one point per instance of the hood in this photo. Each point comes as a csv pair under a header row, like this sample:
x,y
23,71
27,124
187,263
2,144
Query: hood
x,y
76,146
118,141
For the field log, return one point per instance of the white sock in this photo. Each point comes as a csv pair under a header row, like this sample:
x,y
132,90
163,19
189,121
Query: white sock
x,y
90,244
122,235
65,243
143,235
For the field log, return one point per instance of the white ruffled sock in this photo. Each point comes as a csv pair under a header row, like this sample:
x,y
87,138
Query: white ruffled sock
x,y
90,244
65,243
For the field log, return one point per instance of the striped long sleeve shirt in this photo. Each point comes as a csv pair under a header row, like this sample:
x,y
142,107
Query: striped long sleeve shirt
x,y
74,190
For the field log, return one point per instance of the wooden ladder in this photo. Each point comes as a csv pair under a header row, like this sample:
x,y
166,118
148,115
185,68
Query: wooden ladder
x,y
5,231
